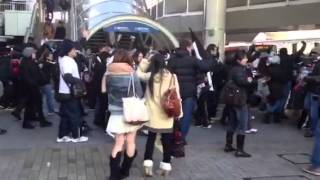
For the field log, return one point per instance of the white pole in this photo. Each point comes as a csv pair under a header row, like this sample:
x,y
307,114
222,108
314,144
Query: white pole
x,y
215,22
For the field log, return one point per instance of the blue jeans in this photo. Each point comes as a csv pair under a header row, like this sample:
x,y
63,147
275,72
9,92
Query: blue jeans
x,y
315,158
286,91
278,106
187,108
307,102
238,119
314,111
275,107
48,95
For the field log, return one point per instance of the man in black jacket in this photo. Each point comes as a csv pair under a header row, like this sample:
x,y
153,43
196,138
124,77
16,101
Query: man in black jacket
x,y
31,79
101,100
288,64
187,68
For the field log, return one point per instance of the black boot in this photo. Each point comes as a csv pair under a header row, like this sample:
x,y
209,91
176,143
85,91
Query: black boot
x,y
229,140
115,167
240,144
27,125
126,165
267,118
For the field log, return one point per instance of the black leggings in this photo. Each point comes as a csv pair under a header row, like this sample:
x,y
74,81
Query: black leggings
x,y
166,143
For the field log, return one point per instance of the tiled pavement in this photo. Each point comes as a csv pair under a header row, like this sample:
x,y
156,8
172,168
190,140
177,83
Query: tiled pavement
x,y
279,152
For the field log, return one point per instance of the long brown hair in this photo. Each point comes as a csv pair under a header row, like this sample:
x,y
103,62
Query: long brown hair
x,y
122,56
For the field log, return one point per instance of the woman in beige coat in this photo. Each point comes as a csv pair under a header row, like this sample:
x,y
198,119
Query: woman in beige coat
x,y
159,80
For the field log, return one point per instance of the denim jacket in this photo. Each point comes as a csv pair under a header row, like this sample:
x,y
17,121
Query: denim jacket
x,y
117,88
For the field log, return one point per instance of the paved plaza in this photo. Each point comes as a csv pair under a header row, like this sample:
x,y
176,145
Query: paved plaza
x,y
279,152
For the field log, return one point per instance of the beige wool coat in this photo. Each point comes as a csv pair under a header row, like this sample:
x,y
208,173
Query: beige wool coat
x,y
159,121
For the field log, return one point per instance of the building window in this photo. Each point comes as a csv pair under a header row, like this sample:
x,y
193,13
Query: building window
x,y
196,5
256,2
154,12
160,9
236,3
176,6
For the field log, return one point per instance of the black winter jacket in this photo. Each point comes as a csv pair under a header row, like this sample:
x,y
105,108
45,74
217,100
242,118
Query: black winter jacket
x,y
187,68
30,73
277,81
313,80
239,76
47,71
289,62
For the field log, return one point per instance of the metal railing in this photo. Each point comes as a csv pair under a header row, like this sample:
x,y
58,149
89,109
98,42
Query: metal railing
x,y
16,6
29,29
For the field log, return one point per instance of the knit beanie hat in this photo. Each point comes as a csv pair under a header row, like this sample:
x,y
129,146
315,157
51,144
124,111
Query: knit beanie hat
x,y
66,46
28,51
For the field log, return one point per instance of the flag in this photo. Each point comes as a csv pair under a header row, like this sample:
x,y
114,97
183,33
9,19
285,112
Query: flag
x,y
201,54
198,45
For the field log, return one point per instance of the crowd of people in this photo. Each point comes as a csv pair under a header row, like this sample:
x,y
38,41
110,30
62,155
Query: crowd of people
x,y
274,83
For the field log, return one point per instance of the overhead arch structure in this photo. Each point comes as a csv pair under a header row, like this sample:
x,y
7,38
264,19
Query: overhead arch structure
x,y
102,22
165,37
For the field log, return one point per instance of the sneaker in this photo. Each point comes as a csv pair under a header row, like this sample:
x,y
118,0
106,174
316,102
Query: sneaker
x,y
64,139
312,170
251,131
207,127
51,113
80,139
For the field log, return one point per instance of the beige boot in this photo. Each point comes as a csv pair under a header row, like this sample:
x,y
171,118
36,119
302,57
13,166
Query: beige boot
x,y
148,168
165,169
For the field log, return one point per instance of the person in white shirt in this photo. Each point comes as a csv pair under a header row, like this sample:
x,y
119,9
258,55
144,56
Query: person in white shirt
x,y
70,112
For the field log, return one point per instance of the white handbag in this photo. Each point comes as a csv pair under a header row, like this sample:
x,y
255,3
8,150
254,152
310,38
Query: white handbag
x,y
134,108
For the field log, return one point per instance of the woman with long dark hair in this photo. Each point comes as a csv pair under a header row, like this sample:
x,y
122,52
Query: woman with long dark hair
x,y
159,80
238,114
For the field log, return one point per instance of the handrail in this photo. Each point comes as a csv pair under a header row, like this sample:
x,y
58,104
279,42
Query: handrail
x,y
16,6
32,22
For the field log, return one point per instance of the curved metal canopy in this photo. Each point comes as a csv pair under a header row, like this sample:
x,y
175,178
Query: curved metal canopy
x,y
94,15
137,19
